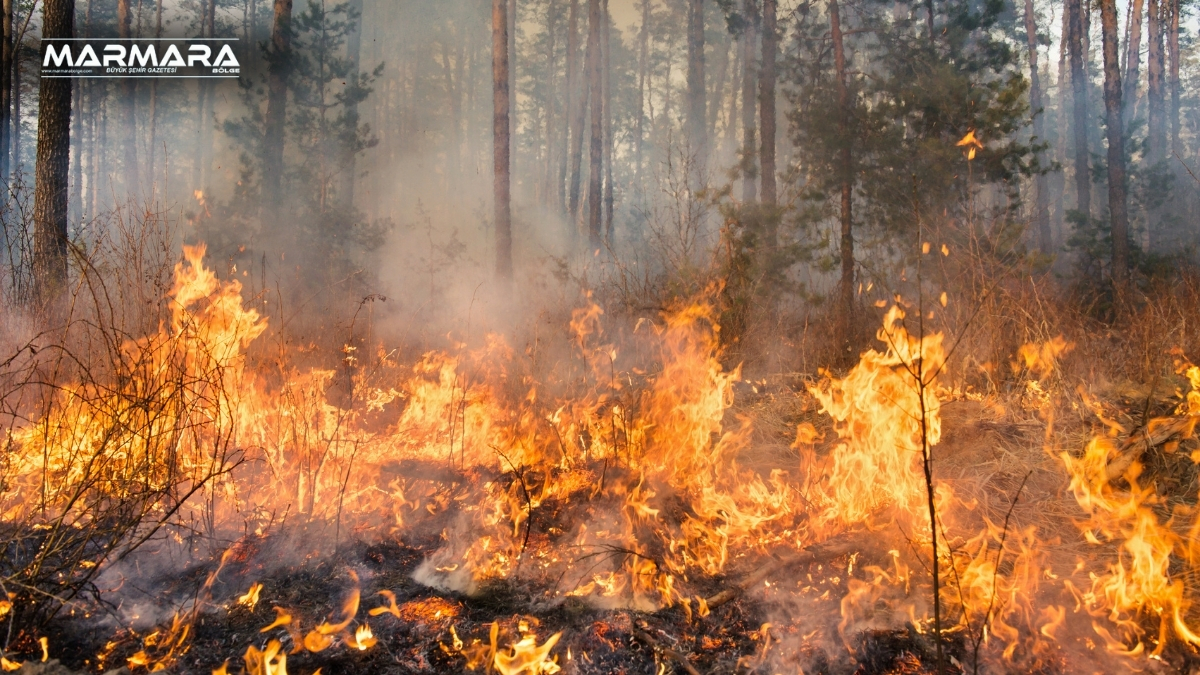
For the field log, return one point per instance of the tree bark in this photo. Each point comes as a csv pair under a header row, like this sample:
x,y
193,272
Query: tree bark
x,y
1117,203
581,110
569,129
549,192
643,72
501,159
273,133
606,50
846,169
1041,209
716,85
128,106
53,162
75,203
1075,49
512,70
596,147
353,55
766,93
1173,75
749,106
152,115
1133,61
697,128
6,87
1155,129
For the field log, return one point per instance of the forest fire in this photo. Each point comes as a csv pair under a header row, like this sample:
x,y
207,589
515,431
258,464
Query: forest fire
x,y
601,485
594,337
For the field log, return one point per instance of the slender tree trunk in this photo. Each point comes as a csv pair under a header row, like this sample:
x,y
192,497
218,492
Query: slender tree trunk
x,y
273,137
1173,75
1041,209
76,200
88,145
1117,204
1062,130
643,73
1155,129
15,138
606,47
210,102
766,94
128,107
846,169
512,70
53,162
6,87
596,147
749,109
153,114
581,111
716,91
201,105
569,131
1133,60
353,55
549,192
501,183
1075,49
733,125
98,108
697,128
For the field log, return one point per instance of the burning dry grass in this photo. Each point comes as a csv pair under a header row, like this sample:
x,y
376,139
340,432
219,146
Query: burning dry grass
x,y
618,499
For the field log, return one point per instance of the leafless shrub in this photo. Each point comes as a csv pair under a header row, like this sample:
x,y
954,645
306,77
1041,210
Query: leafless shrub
x,y
116,422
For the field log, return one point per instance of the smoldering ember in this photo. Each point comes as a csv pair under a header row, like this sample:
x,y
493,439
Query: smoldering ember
x,y
600,336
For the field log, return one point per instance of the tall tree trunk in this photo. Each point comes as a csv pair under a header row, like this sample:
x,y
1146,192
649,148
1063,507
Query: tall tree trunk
x,y
549,192
846,169
99,110
15,138
273,133
606,49
581,110
1117,204
643,74
1079,86
501,161
6,87
749,109
697,128
729,146
128,106
512,69
1173,74
1155,129
1062,131
353,55
76,201
201,106
716,90
210,102
53,162
1041,209
569,131
1133,61
766,95
596,147
153,113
